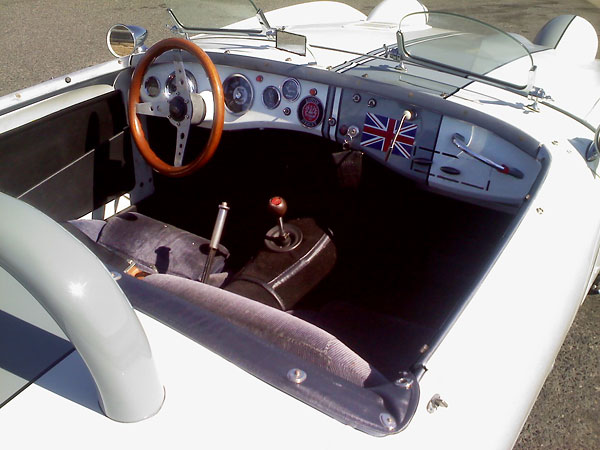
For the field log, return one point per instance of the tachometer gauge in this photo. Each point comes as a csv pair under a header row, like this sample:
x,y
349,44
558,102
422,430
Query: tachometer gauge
x,y
238,93
291,89
271,97
152,86
171,84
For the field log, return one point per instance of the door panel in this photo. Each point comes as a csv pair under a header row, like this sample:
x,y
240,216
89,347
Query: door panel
x,y
72,160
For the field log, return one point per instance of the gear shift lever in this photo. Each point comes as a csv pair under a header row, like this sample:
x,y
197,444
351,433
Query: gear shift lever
x,y
278,206
282,237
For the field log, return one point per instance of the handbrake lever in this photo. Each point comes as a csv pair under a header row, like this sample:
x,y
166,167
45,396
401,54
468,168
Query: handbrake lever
x,y
215,240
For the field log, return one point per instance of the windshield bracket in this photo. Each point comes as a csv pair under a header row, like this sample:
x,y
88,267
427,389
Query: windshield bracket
x,y
536,95
264,23
178,27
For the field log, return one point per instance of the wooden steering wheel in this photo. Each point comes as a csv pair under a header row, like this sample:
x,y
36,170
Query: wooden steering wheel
x,y
179,109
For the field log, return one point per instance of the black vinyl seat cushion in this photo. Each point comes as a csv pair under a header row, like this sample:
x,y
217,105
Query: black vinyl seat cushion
x,y
154,246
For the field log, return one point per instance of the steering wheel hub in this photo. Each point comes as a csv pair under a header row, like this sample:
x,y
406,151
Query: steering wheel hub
x,y
178,108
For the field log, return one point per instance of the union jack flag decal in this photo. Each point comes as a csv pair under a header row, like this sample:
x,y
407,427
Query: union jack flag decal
x,y
379,131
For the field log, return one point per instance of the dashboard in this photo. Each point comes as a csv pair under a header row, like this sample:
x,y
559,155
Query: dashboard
x,y
448,155
252,99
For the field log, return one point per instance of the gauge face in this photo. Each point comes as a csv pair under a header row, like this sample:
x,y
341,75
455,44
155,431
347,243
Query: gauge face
x,y
271,97
310,112
238,93
291,89
171,84
152,86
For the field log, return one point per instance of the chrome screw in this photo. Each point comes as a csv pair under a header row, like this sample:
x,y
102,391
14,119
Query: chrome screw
x,y
404,382
388,421
297,376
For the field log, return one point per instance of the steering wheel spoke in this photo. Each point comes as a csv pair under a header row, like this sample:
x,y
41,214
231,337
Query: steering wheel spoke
x,y
178,109
183,130
158,108
183,86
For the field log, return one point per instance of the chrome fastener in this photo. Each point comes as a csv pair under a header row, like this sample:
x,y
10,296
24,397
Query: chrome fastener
x,y
435,402
297,376
404,382
388,421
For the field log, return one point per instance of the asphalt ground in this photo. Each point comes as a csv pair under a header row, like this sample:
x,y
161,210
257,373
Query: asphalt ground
x,y
41,39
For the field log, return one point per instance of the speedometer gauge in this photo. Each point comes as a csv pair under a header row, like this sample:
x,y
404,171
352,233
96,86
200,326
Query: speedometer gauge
x,y
238,93
291,89
271,97
171,84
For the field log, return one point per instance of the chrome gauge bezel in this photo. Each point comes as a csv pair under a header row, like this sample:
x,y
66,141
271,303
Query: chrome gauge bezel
x,y
158,84
298,86
277,91
246,105
171,78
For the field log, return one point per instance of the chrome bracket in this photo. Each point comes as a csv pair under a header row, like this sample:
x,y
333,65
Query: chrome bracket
x,y
264,23
536,95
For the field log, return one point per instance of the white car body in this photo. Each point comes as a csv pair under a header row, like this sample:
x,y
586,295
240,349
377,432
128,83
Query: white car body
x,y
490,366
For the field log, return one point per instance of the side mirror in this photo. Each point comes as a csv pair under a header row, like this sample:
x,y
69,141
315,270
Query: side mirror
x,y
290,42
124,40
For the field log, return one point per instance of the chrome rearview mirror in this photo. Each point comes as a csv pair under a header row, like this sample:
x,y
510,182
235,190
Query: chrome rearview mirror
x,y
290,42
124,40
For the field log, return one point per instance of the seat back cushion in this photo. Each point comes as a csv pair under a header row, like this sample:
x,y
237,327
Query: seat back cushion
x,y
290,333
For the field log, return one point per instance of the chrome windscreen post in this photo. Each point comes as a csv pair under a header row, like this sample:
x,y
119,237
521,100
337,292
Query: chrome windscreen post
x,y
400,54
178,27
264,23
531,78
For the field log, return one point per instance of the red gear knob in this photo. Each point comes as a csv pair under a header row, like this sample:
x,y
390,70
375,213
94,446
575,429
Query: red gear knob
x,y
278,206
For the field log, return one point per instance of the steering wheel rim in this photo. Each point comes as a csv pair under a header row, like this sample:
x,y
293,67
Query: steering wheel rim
x,y
137,130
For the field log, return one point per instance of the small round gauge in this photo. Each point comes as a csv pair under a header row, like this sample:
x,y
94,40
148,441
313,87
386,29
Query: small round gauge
x,y
238,93
271,97
171,84
291,89
152,86
310,112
